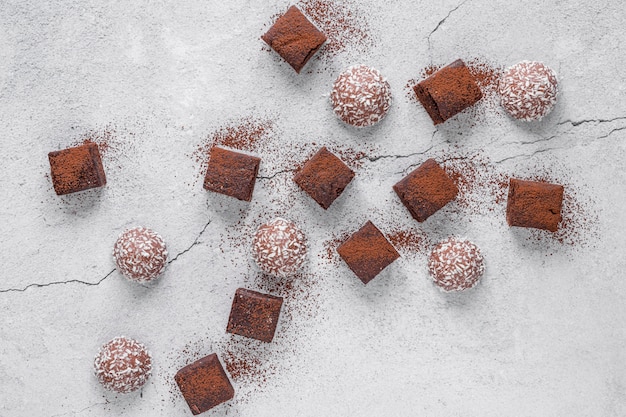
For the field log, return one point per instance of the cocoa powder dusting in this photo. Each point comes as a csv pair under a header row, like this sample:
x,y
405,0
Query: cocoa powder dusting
x,y
343,23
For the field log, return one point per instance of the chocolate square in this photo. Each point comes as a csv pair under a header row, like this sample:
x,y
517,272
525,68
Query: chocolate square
x,y
447,92
295,38
254,315
231,173
76,169
367,252
324,177
425,190
204,384
534,204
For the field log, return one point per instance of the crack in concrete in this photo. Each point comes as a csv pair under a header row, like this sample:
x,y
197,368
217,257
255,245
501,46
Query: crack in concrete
x,y
195,242
526,155
98,282
376,158
71,281
611,132
580,122
284,171
441,22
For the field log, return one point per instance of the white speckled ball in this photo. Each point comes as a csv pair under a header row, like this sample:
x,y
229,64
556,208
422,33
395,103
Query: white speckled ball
x,y
456,264
140,254
361,96
279,248
123,365
528,90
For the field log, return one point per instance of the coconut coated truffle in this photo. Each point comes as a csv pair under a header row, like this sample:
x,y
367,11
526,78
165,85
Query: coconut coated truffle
x,y
123,365
528,90
456,264
140,254
279,248
361,96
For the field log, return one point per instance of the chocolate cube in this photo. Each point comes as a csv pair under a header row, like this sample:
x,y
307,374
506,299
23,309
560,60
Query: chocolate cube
x,y
76,169
295,38
367,252
425,190
324,177
534,204
204,384
231,173
254,315
447,92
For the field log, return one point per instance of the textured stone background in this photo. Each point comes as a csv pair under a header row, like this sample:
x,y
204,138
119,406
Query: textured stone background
x,y
542,335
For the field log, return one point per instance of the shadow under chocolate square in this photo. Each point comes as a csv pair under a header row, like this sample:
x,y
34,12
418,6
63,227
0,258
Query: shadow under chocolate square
x,y
324,177
231,173
254,314
448,92
367,252
76,169
294,38
534,204
426,190
204,384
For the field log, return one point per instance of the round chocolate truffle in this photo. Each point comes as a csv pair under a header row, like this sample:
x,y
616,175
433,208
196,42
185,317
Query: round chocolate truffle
x,y
279,248
361,96
123,365
140,254
456,264
528,90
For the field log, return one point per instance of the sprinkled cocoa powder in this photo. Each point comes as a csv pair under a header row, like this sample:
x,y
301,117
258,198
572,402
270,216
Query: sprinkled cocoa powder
x,y
409,241
343,23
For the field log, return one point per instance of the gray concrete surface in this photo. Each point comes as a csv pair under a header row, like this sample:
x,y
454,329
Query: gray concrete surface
x,y
542,335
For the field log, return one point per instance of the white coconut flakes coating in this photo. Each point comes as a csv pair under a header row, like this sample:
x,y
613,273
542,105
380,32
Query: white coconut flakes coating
x,y
361,96
140,254
279,248
528,90
123,365
456,264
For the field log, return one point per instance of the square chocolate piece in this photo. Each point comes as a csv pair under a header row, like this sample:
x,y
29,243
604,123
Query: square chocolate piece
x,y
367,252
204,384
254,315
324,177
76,169
231,173
295,38
534,204
425,190
447,92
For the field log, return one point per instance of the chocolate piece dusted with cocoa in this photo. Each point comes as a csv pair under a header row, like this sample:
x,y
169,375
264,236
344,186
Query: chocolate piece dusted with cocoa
x,y
324,177
76,169
295,38
254,315
231,173
448,91
367,252
204,384
425,190
534,204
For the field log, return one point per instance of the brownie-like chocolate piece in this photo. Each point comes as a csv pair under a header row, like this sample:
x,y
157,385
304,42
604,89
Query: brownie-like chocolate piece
x,y
447,92
324,177
295,38
254,315
367,252
425,190
76,169
204,384
534,204
231,173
